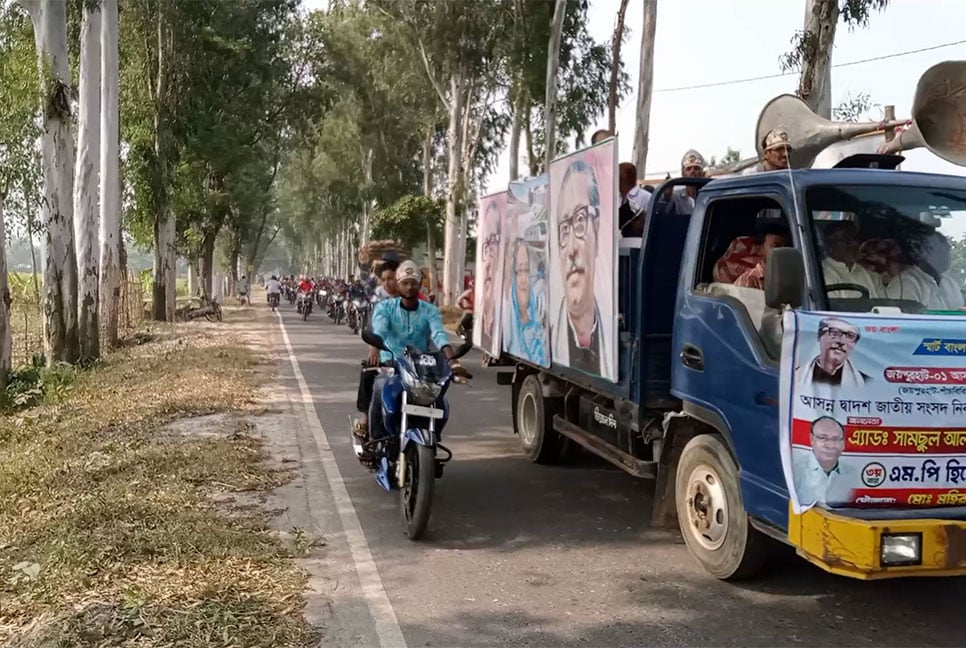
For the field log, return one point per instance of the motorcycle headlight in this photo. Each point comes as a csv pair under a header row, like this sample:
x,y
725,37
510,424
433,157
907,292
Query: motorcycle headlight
x,y
421,392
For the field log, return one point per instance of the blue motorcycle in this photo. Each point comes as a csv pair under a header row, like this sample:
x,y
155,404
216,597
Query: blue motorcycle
x,y
409,457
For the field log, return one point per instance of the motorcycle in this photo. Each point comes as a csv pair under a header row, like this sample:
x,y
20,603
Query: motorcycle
x,y
358,318
414,412
290,294
273,299
304,305
338,308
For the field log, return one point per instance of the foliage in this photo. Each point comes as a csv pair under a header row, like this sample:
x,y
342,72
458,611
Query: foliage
x,y
855,108
730,157
852,13
34,383
20,171
408,219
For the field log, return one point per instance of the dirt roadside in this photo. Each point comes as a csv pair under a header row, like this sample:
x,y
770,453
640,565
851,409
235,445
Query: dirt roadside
x,y
173,496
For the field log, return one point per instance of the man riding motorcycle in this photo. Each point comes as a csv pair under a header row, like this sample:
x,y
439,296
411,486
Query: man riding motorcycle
x,y
305,285
273,287
400,321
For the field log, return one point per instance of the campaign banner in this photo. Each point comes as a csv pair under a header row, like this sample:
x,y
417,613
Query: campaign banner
x,y
583,260
873,410
489,271
525,332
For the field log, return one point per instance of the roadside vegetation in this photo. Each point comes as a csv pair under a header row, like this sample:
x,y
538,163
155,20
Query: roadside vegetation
x,y
109,535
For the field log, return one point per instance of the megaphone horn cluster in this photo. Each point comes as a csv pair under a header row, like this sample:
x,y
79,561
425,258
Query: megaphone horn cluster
x,y
938,116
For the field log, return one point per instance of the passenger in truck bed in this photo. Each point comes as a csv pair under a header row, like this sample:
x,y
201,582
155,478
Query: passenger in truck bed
x,y
634,201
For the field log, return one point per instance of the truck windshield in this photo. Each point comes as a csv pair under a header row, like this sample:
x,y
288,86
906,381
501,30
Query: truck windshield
x,y
890,248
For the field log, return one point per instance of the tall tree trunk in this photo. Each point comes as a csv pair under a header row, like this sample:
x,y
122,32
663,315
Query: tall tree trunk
x,y
532,160
207,264
86,201
818,36
428,192
165,256
645,87
49,18
454,198
553,63
6,337
111,275
615,68
515,127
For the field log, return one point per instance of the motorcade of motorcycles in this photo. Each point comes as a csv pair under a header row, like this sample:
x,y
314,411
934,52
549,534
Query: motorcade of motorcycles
x,y
409,456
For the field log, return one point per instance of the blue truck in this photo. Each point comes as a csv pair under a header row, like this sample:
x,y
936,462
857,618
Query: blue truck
x,y
696,406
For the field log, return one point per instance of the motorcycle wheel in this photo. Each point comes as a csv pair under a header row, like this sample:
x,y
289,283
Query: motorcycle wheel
x,y
305,314
416,492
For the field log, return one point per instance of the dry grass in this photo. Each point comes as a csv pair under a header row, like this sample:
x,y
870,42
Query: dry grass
x,y
108,533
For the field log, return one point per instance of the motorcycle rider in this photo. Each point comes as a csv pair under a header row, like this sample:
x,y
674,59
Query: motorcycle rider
x,y
387,288
305,284
401,321
273,287
467,302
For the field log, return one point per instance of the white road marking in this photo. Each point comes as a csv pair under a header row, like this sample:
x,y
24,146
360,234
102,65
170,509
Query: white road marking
x,y
387,627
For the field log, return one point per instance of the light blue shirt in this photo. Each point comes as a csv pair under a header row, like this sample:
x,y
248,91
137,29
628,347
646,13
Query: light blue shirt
x,y
421,328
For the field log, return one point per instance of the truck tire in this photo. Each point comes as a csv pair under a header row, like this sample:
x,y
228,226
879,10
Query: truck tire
x,y
711,515
534,424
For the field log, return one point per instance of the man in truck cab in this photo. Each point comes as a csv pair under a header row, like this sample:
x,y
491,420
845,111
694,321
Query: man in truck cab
x,y
841,264
770,233
580,340
928,281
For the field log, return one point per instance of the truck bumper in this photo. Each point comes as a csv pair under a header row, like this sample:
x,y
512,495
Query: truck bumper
x,y
854,548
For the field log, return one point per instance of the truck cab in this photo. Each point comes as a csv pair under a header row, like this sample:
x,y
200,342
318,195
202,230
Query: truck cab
x,y
702,300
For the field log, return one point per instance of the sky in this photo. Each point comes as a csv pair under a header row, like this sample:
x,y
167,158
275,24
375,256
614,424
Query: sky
x,y
712,41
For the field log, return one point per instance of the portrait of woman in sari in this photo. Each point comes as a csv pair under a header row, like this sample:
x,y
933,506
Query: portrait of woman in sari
x,y
526,337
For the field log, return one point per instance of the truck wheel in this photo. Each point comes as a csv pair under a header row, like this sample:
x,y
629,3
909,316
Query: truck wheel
x,y
534,424
712,518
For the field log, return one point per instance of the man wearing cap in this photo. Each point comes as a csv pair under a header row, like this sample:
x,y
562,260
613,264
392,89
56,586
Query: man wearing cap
x,y
681,201
777,146
402,322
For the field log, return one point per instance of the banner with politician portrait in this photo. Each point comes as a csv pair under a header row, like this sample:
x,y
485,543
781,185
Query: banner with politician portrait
x,y
873,410
489,274
525,332
583,260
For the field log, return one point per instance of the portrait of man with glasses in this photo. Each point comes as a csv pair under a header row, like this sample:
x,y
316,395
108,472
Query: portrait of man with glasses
x,y
820,478
490,271
831,365
581,338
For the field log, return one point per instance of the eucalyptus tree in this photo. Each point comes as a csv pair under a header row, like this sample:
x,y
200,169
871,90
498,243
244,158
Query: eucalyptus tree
x,y
49,19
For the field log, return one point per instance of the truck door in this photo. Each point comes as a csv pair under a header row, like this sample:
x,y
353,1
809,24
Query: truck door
x,y
727,343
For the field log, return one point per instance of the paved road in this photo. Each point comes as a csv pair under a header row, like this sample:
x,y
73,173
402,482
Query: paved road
x,y
525,555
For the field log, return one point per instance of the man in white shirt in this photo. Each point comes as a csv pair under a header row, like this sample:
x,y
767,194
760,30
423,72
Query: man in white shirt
x,y
819,477
841,265
273,286
681,201
919,282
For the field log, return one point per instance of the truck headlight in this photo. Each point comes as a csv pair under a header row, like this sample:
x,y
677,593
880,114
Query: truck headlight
x,y
900,549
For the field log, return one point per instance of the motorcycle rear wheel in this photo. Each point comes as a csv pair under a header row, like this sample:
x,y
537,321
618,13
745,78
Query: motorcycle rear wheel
x,y
416,492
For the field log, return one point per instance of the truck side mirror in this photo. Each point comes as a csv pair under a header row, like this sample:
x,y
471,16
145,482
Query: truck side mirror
x,y
785,278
